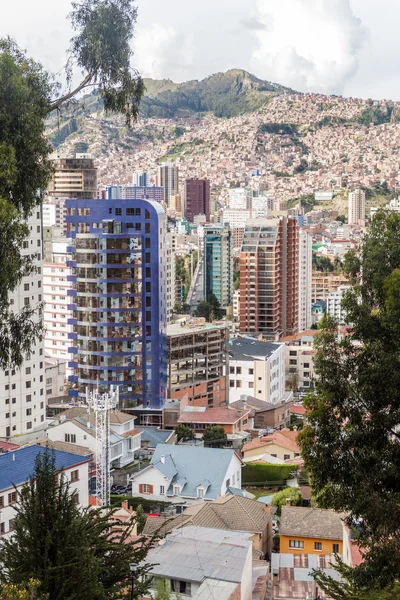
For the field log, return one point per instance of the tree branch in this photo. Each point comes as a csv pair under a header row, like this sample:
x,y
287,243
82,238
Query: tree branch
x,y
57,103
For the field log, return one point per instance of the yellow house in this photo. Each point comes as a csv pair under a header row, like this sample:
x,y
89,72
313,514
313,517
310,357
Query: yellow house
x,y
281,444
306,530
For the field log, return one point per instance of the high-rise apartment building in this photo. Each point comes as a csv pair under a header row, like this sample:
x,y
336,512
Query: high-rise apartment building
x,y
356,206
197,198
269,277
140,179
73,176
119,299
22,397
129,192
57,310
170,276
218,263
168,178
305,279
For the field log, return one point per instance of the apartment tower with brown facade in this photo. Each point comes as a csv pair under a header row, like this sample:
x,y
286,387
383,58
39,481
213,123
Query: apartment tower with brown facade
x,y
269,277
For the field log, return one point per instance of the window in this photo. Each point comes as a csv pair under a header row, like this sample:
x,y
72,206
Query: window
x,y
293,353
181,587
238,370
70,437
177,489
75,475
28,398
296,544
27,371
232,370
162,490
12,497
231,383
29,425
227,483
200,492
28,384
317,545
26,287
238,383
28,412
118,211
1,501
286,456
335,548
306,365
11,524
2,525
251,371
76,498
147,489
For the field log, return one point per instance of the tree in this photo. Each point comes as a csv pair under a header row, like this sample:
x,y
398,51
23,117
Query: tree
x,y
72,554
351,441
214,433
291,493
210,309
101,50
140,518
183,432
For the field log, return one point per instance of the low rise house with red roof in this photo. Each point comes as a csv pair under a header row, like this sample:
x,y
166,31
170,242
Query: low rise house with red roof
x,y
281,445
231,419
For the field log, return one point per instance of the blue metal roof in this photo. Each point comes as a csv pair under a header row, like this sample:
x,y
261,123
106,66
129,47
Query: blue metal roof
x,y
194,463
154,436
16,467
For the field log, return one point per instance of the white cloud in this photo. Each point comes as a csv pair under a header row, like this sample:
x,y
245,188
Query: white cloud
x,y
309,45
158,48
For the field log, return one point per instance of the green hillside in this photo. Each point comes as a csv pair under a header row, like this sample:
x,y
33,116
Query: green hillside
x,y
225,94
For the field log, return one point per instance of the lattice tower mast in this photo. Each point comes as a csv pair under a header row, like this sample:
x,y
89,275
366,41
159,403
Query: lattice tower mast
x,y
102,404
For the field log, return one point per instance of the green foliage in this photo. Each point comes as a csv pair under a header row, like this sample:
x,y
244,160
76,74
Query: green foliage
x,y
351,442
260,473
71,553
322,263
163,590
22,591
183,432
210,309
214,433
225,94
140,518
375,115
279,128
291,493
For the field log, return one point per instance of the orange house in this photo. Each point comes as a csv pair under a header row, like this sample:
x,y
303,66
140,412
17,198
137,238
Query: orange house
x,y
230,419
310,531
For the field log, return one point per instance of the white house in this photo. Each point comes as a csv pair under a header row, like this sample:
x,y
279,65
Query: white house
x,y
334,304
202,562
186,474
17,466
256,369
76,425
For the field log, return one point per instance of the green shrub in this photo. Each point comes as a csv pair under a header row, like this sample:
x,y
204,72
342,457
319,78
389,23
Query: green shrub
x,y
262,474
279,499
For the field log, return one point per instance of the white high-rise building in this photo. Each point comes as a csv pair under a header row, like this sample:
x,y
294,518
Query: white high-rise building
x,y
305,280
334,304
171,276
56,311
356,206
22,391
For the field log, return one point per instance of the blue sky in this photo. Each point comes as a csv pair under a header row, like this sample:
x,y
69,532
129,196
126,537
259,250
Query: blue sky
x,y
347,47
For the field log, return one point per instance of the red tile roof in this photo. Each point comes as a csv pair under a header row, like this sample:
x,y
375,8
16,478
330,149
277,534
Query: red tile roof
x,y
298,409
212,416
284,438
6,446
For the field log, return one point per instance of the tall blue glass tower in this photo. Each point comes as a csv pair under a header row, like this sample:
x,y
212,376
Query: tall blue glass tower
x,y
119,299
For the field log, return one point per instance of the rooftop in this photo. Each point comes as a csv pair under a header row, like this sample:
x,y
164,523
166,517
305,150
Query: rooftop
x,y
198,553
223,416
231,512
16,467
295,577
155,436
247,348
284,438
117,417
198,465
311,522
188,325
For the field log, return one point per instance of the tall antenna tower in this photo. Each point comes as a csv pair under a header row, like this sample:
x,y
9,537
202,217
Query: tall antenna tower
x,y
102,404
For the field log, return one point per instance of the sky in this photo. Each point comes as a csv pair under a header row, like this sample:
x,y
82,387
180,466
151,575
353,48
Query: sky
x,y
346,47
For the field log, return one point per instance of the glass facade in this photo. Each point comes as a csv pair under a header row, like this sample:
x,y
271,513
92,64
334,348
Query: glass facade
x,y
118,298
